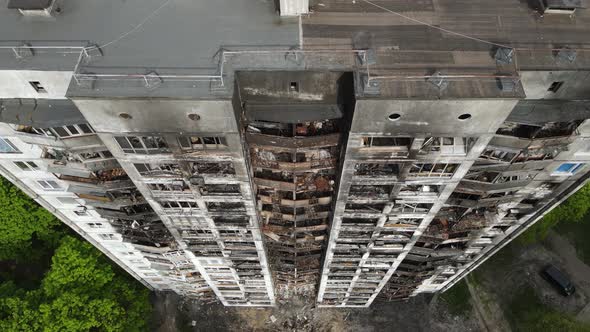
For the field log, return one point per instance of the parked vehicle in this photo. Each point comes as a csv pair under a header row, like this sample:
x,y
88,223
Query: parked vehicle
x,y
559,280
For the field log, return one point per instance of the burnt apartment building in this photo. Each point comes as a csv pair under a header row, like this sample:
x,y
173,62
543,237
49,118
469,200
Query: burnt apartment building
x,y
248,151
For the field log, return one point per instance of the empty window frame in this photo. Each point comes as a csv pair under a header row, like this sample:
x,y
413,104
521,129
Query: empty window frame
x,y
375,169
49,185
445,145
142,144
63,131
27,166
220,167
94,155
555,86
6,146
375,141
174,205
220,189
95,225
158,169
168,187
36,85
433,170
569,168
201,142
107,237
412,208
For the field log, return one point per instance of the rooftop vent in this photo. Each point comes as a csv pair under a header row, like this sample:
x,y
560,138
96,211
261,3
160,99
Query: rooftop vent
x,y
565,55
438,80
559,6
503,55
506,84
43,8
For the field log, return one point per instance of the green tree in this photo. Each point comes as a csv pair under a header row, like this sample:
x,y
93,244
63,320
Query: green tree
x,y
572,210
23,224
80,292
79,289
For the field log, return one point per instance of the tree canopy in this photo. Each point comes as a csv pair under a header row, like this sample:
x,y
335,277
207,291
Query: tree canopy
x,y
81,289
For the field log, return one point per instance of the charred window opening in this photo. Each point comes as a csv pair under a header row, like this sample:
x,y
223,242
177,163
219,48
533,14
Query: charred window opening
x,y
365,221
372,169
201,142
274,175
305,129
510,156
233,221
447,145
370,192
412,208
177,186
175,205
433,170
549,129
321,181
158,170
142,144
365,208
466,196
376,141
153,234
220,189
221,167
403,222
419,190
226,206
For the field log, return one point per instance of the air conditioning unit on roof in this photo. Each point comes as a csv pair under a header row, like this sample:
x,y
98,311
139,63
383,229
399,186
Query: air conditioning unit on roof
x,y
43,8
559,6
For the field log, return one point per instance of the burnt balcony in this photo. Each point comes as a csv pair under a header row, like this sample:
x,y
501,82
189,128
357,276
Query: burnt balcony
x,y
386,146
134,212
114,199
432,171
221,169
548,130
411,209
104,180
73,136
146,233
370,192
305,129
163,170
419,192
172,189
321,158
78,163
447,146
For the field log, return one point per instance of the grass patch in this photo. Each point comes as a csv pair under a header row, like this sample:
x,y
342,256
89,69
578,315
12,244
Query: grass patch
x,y
457,299
577,234
525,312
571,211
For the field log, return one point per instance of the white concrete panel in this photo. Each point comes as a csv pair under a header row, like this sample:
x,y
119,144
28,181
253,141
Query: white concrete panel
x,y
15,84
294,7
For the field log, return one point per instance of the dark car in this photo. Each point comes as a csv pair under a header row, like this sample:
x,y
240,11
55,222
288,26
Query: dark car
x,y
559,280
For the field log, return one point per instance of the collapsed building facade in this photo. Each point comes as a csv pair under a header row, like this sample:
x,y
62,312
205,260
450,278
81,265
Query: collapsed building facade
x,y
335,155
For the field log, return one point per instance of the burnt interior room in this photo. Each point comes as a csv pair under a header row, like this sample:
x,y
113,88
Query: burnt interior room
x,y
295,125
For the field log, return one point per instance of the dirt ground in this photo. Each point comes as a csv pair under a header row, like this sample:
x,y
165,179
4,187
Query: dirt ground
x,y
419,314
